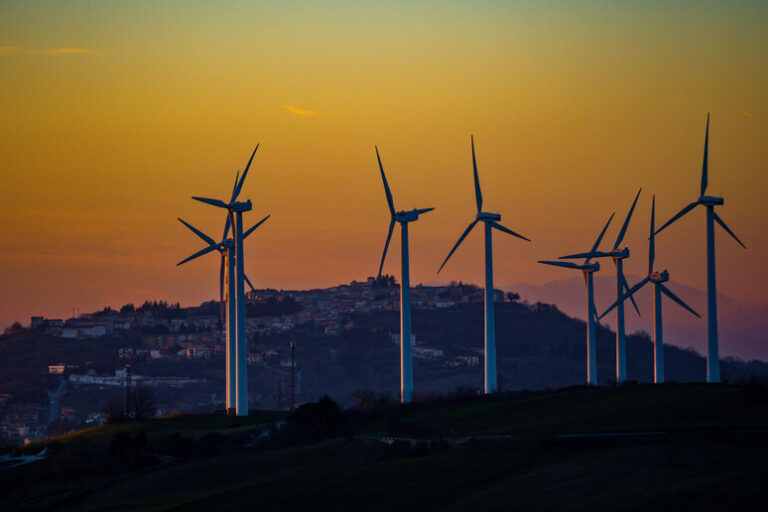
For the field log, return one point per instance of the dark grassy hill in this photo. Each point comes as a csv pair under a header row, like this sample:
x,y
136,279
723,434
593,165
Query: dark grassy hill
x,y
704,449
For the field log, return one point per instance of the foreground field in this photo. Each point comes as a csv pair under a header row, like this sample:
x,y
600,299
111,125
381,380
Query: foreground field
x,y
671,447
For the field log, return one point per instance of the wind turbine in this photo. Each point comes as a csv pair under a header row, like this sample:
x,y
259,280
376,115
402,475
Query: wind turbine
x,y
235,209
588,269
658,279
403,217
713,356
618,255
491,220
227,250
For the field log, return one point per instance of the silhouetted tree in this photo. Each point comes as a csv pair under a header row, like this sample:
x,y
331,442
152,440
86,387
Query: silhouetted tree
x,y
103,312
319,419
142,403
14,327
114,412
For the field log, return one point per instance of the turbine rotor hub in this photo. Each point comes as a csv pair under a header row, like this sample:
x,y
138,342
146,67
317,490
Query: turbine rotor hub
x,y
407,215
711,200
240,206
591,267
620,254
488,217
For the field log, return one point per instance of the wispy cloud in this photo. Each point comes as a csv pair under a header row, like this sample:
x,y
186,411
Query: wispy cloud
x,y
17,50
299,111
749,115
63,51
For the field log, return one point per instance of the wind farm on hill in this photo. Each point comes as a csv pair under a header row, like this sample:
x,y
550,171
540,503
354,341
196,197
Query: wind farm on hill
x,y
232,264
463,267
517,442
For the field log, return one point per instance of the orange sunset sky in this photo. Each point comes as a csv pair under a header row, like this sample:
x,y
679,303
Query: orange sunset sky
x,y
114,114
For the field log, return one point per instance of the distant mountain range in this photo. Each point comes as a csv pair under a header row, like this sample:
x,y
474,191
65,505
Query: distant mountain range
x,y
743,330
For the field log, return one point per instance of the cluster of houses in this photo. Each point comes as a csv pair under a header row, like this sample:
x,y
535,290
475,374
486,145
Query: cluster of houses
x,y
330,308
20,422
196,333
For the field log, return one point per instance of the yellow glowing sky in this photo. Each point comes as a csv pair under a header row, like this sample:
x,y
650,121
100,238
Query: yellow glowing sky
x,y
114,114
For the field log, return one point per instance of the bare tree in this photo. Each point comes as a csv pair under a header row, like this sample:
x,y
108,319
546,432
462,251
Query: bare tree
x,y
114,411
142,403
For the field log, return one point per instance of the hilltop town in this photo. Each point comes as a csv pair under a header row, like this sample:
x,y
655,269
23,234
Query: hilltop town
x,y
173,348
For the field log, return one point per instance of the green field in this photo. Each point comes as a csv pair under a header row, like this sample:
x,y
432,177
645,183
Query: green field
x,y
706,450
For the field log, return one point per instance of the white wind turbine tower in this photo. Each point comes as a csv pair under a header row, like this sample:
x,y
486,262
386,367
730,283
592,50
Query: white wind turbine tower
x,y
235,209
588,269
618,255
227,269
403,217
491,220
658,279
713,351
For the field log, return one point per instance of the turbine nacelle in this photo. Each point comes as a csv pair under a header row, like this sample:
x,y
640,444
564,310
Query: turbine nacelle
x,y
711,200
620,254
241,206
411,215
590,267
488,217
659,277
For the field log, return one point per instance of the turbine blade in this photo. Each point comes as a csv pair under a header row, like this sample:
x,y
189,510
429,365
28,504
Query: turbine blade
x,y
704,165
600,237
199,253
234,185
249,282
507,230
424,210
626,222
677,299
197,231
565,264
728,230
677,216
631,298
461,238
231,216
245,235
390,202
478,194
578,256
628,293
242,178
226,228
214,202
652,238
386,246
